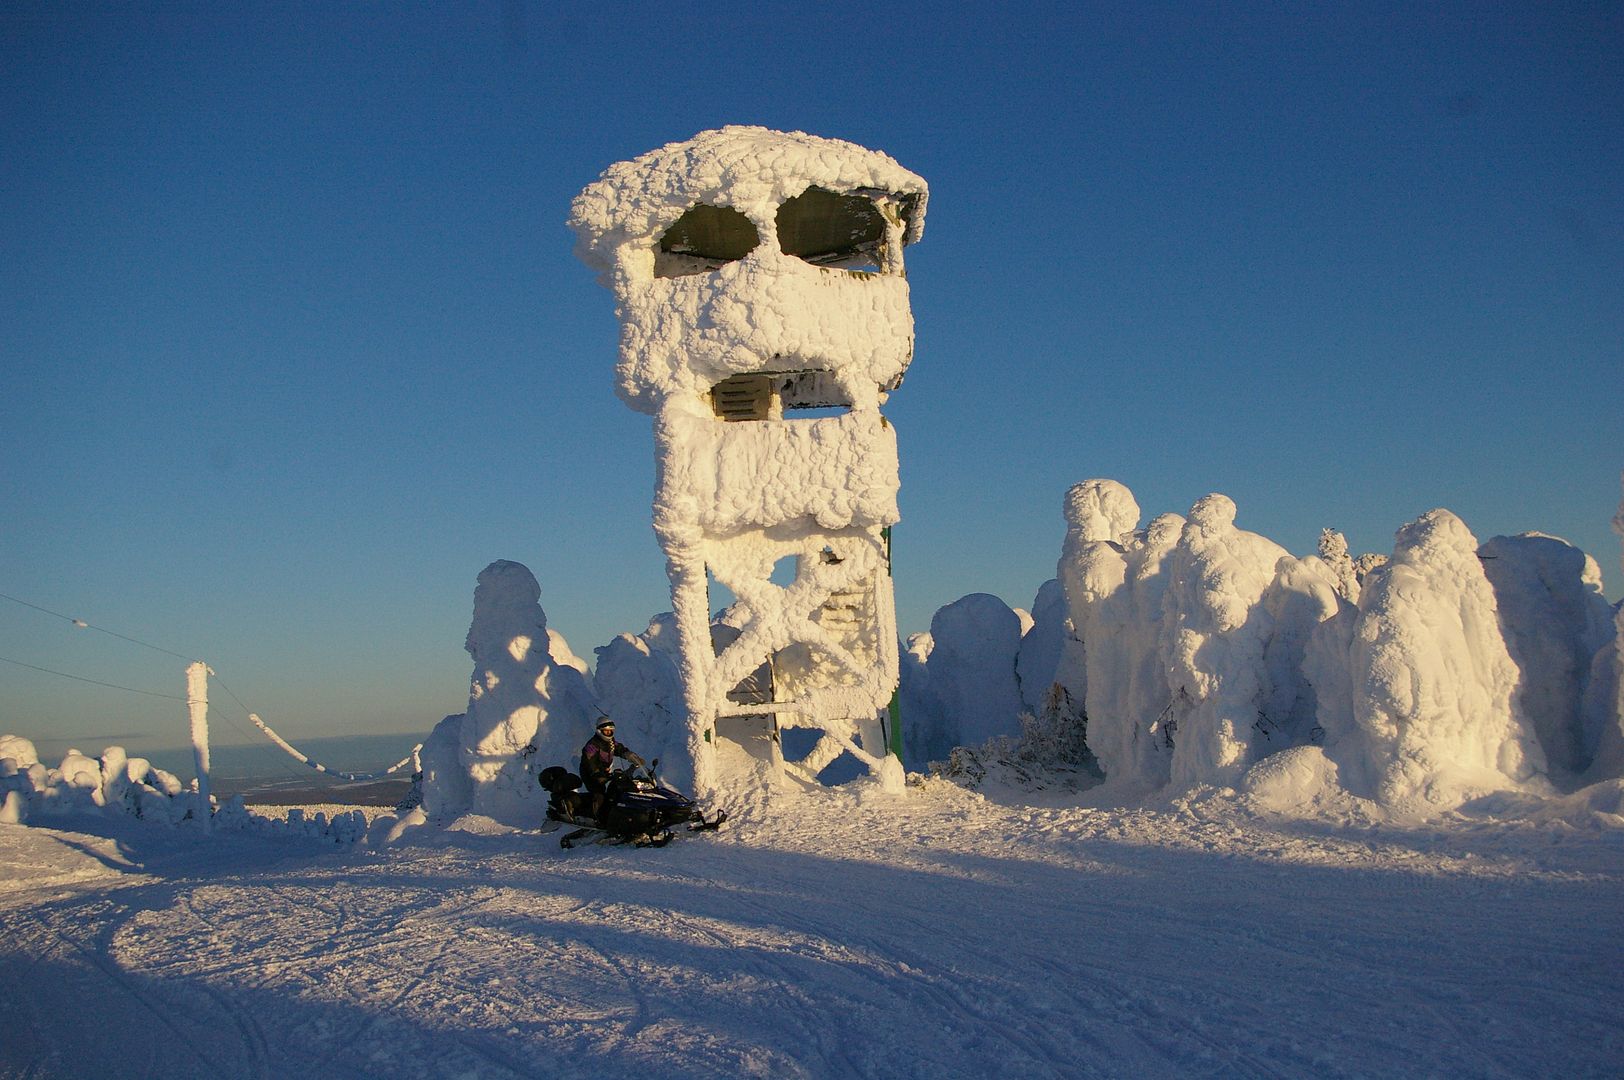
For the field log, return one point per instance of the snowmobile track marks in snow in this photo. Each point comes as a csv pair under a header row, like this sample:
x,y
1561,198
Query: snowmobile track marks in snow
x,y
124,984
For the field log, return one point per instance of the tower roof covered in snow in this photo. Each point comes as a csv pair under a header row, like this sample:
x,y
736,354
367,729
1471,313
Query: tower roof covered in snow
x,y
751,169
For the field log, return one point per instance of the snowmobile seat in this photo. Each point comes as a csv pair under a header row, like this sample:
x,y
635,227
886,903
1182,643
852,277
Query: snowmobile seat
x,y
556,779
565,802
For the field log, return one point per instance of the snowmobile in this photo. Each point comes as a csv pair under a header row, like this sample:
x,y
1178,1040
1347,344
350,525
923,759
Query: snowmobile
x,y
638,809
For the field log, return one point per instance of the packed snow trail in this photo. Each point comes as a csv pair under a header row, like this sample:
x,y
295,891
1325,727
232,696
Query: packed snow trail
x,y
936,934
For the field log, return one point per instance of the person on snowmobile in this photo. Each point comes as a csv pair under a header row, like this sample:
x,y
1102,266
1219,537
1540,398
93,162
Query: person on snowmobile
x,y
598,761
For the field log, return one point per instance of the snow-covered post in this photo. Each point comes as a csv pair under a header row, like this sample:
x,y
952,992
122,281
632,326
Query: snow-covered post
x,y
197,707
757,273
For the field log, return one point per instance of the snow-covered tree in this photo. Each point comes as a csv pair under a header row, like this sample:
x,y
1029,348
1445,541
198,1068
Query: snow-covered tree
x,y
1432,679
1555,620
529,706
1215,630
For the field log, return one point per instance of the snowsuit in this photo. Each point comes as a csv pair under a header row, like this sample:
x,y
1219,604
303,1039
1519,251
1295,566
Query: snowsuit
x,y
597,762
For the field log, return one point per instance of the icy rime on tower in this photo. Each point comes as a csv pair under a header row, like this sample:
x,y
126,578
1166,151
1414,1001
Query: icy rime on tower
x,y
758,274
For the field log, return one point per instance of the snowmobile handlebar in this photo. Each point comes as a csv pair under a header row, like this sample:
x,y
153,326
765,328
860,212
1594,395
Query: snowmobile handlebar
x,y
647,768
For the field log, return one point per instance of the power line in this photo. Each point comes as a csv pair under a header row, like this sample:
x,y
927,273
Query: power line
x,y
83,625
94,682
221,683
274,737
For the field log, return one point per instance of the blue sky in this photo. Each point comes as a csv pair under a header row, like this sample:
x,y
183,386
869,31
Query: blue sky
x,y
294,343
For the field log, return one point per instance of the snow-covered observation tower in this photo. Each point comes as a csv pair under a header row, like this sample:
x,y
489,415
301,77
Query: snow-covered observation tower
x,y
764,317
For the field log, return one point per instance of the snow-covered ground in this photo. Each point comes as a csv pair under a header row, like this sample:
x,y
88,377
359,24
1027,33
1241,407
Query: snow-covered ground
x,y
1417,871
846,933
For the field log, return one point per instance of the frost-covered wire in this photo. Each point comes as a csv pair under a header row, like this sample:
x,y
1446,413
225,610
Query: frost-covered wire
x,y
283,743
93,682
274,737
83,625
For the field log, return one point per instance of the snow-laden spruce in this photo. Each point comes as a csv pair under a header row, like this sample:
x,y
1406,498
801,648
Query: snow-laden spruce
x,y
1410,683
1432,679
1037,662
1556,620
529,706
1604,696
117,786
638,681
115,781
1203,654
971,693
532,703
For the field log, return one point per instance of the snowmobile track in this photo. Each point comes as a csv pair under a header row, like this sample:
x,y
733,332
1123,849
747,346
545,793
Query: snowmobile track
x,y
122,984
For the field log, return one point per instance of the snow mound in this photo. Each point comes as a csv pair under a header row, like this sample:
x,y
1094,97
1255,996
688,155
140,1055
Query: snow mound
x,y
1599,804
1302,782
118,787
